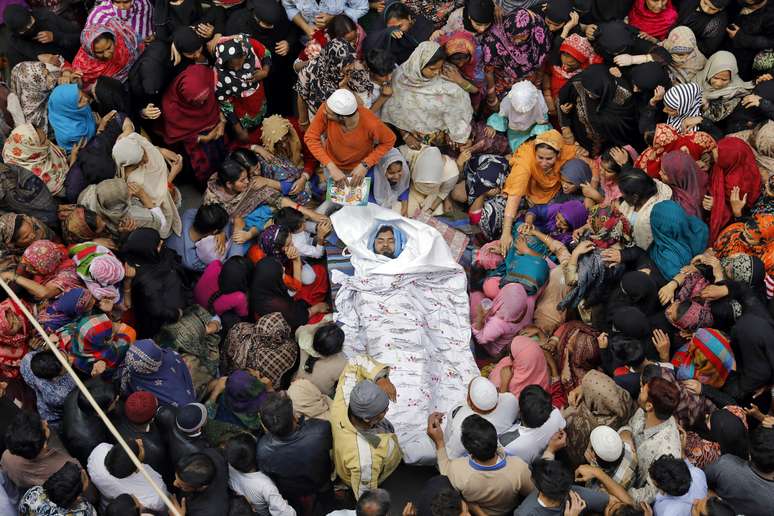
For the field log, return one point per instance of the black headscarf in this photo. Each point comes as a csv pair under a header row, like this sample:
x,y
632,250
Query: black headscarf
x,y
600,11
110,94
637,290
729,432
141,247
632,322
752,339
710,29
648,76
16,18
613,38
186,40
597,81
235,275
96,159
268,11
268,294
558,11
480,11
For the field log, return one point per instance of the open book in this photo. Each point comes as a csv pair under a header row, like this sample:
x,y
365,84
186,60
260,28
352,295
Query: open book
x,y
348,195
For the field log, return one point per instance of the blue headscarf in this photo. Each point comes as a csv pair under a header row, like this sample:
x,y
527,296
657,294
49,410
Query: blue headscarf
x,y
676,237
400,238
70,122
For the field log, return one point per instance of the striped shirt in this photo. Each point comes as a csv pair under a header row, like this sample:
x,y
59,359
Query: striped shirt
x,y
139,17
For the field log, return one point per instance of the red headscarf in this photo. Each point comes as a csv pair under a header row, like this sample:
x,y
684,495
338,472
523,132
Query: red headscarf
x,y
189,104
735,166
656,25
581,50
13,346
126,50
667,139
688,182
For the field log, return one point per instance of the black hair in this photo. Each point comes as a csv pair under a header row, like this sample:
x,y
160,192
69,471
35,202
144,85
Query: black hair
x,y
277,414
552,478
45,366
397,11
375,502
718,507
196,469
627,510
649,372
230,171
239,506
104,35
91,218
535,406
477,277
671,475
626,350
280,240
380,61
611,164
636,186
210,218
339,26
122,505
682,308
446,502
64,486
328,340
228,285
245,157
761,449
159,296
384,229
440,55
25,436
117,461
104,393
289,218
479,437
240,453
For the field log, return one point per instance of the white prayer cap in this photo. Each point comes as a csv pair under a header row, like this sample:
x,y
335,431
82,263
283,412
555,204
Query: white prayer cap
x,y
483,394
606,443
342,102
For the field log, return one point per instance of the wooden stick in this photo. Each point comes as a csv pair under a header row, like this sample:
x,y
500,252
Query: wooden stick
x,y
66,364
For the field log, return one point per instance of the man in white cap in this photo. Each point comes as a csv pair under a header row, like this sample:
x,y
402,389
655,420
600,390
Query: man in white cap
x,y
365,447
500,409
355,139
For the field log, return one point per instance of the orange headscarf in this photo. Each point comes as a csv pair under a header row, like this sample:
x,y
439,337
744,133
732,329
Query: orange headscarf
x,y
528,179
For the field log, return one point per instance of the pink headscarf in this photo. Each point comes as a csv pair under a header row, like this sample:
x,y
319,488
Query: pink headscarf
x,y
688,181
528,365
486,259
511,311
105,271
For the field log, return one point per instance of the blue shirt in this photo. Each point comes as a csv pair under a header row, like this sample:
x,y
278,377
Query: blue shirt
x,y
186,248
666,505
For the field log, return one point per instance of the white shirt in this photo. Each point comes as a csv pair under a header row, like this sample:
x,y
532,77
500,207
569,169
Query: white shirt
x,y
135,484
502,417
531,442
260,491
303,242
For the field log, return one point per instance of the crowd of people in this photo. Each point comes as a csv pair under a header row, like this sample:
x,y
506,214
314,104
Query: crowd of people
x,y
607,164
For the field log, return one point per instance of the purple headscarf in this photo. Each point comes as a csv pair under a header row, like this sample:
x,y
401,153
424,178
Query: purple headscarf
x,y
574,212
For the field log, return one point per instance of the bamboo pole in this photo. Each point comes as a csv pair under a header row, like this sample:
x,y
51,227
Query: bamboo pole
x,y
66,364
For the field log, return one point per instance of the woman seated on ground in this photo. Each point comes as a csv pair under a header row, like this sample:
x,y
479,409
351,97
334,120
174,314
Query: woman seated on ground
x,y
507,314
391,181
485,176
108,49
433,177
45,271
241,64
534,176
95,344
687,181
291,159
269,293
224,286
723,89
523,115
640,194
578,183
149,172
32,82
70,116
340,27
123,209
17,232
464,54
323,361
700,145
266,347
102,273
597,110
192,120
425,107
14,338
235,400
161,372
30,148
206,236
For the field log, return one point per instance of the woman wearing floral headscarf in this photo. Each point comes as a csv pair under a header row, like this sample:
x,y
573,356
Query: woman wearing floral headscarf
x,y
106,50
33,82
45,271
14,334
687,59
700,145
30,148
241,63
